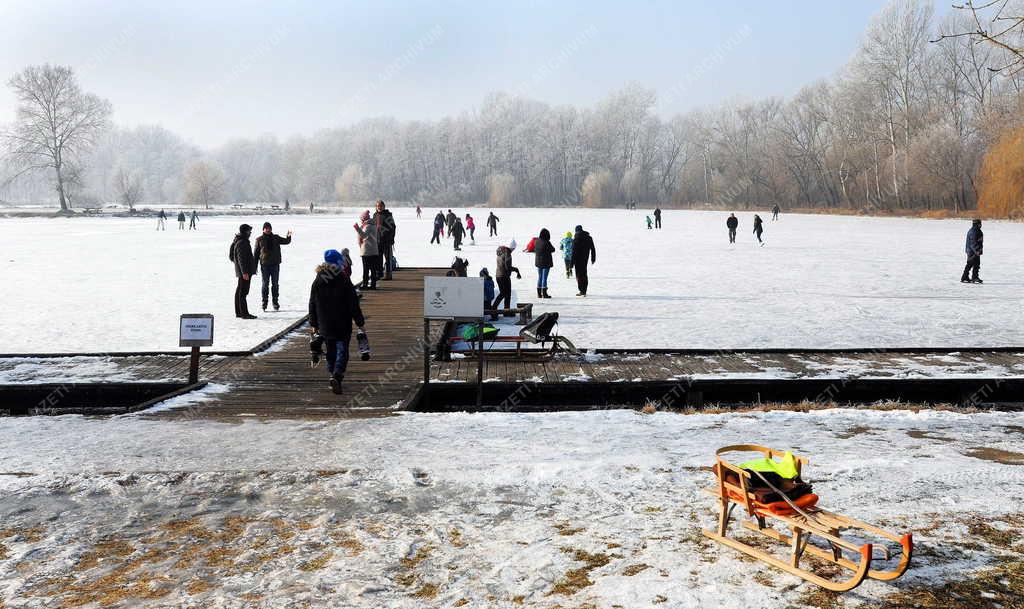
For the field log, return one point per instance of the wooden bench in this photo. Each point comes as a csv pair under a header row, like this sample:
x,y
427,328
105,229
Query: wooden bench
x,y
523,312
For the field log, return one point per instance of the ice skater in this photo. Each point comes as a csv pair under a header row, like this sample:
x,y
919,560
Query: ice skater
x,y
161,220
975,246
419,212
583,252
245,268
333,307
192,221
657,217
775,212
450,222
181,220
566,246
457,233
503,275
268,254
732,223
492,225
650,224
758,229
471,227
438,228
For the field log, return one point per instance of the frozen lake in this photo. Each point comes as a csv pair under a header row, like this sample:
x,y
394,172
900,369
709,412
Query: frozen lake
x,y
98,284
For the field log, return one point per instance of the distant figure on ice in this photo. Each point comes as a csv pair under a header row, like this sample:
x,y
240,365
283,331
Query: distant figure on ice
x,y
542,250
975,246
287,206
181,220
161,219
471,227
566,247
503,275
657,217
245,267
419,212
583,252
488,291
192,221
732,223
650,224
758,229
438,228
450,221
492,225
384,220
333,306
457,232
775,212
268,255
368,239
310,207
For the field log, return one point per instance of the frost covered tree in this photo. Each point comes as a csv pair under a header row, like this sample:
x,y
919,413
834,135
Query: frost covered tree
x,y
56,123
127,187
204,183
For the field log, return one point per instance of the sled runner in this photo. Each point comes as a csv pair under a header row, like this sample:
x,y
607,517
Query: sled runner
x,y
540,331
772,492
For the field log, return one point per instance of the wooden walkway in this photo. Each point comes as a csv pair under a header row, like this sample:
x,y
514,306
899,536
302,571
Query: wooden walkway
x,y
280,383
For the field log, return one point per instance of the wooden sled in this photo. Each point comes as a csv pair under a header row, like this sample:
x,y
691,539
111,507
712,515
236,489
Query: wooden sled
x,y
804,523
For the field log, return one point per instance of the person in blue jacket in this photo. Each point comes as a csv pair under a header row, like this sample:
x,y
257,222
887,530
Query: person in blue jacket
x,y
488,290
974,248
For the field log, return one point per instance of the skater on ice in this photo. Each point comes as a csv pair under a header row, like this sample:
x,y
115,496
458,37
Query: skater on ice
x,y
542,250
384,220
268,254
333,307
758,228
650,224
450,222
457,233
181,220
161,219
583,253
192,221
471,227
245,267
657,217
975,246
566,246
419,212
732,223
775,212
368,239
438,228
492,225
503,275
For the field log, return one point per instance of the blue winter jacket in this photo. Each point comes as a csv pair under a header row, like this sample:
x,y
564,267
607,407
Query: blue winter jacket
x,y
975,241
488,289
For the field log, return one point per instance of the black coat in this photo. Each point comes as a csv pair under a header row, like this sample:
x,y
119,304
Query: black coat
x,y
385,222
732,222
583,248
241,255
492,221
333,304
542,250
268,248
975,241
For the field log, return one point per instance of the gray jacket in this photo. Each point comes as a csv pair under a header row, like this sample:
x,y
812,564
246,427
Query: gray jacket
x,y
368,240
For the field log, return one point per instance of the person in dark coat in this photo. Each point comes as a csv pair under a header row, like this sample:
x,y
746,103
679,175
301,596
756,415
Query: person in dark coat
x,y
583,252
542,250
268,254
333,306
732,224
758,228
450,221
503,275
975,247
488,290
438,228
181,220
457,232
492,224
161,219
245,268
775,212
193,220
385,222
657,217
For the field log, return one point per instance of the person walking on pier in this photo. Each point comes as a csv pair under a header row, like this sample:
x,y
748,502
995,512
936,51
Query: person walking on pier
x,y
583,252
758,228
192,221
492,225
368,239
488,291
384,220
975,247
732,224
268,254
542,250
657,217
333,307
245,268
503,275
161,219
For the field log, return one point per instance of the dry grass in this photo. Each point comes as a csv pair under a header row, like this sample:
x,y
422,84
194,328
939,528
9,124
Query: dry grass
x,y
649,408
421,554
198,586
347,541
999,587
566,530
426,591
993,536
997,455
575,580
315,564
632,570
820,598
104,550
31,535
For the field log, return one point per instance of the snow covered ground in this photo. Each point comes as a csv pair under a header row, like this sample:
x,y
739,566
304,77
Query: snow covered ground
x,y
592,509
97,284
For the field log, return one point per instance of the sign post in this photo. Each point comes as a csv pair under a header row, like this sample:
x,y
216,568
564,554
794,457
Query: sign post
x,y
195,330
453,299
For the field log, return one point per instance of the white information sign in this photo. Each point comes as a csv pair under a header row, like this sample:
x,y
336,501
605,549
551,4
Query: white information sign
x,y
453,297
196,330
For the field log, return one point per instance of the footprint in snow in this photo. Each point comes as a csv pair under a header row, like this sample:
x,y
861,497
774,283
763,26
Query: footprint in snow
x,y
421,477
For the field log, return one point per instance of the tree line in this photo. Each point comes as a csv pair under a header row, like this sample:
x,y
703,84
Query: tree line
x,y
904,125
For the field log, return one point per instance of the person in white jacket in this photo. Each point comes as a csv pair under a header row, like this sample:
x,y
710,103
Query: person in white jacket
x,y
368,250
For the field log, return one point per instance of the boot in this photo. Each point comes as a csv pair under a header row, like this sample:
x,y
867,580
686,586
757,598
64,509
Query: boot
x,y
540,293
545,294
336,383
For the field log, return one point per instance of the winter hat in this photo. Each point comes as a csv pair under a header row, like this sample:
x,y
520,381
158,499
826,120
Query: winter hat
x,y
365,216
244,228
512,245
266,225
579,228
484,273
333,257
568,234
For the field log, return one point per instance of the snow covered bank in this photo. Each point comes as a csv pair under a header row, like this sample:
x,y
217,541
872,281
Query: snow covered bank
x,y
468,510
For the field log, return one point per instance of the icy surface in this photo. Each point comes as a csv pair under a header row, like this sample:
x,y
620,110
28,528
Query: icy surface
x,y
96,284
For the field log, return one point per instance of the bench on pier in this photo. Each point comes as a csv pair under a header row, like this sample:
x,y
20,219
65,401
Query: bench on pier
x,y
523,312
540,332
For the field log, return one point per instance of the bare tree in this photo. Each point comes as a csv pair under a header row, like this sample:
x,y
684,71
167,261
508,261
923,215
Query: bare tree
x,y
128,188
56,122
204,183
999,23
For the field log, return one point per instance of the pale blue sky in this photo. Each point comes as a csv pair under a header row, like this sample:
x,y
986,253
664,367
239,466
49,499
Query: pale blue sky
x,y
215,70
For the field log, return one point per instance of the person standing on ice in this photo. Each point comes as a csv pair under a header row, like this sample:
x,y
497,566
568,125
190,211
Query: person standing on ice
x,y
657,217
503,275
542,250
333,307
732,223
161,219
775,212
583,252
450,221
649,224
245,268
368,251
438,228
419,212
268,255
471,227
384,220
758,229
492,225
566,246
975,247
457,232
181,220
192,220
